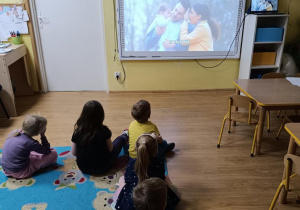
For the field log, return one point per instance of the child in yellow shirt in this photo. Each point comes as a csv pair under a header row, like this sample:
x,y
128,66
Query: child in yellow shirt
x,y
141,112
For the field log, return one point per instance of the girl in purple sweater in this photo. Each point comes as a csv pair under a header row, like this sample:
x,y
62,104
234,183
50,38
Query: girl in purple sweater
x,y
22,155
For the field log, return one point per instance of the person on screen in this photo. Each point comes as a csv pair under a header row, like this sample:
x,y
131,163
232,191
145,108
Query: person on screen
x,y
269,6
261,6
162,18
166,37
206,30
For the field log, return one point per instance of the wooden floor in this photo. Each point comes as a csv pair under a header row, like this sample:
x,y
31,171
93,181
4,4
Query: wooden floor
x,y
206,177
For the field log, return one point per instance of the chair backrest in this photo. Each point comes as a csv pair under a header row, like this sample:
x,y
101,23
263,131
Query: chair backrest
x,y
242,102
295,162
272,75
297,75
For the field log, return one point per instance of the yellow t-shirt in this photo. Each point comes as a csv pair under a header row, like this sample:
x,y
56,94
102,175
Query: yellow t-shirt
x,y
135,130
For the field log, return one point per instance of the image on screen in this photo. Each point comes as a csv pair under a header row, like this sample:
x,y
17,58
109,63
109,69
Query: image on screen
x,y
179,27
264,5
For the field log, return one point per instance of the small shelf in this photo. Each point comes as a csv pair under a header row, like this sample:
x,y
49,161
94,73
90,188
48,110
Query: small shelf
x,y
272,50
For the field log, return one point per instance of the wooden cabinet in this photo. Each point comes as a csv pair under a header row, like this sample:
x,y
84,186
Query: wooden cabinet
x,y
254,48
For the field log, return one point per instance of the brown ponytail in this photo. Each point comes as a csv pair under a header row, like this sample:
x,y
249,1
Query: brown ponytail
x,y
215,28
146,149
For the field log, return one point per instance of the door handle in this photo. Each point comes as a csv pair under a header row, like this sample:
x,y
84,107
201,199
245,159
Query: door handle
x,y
42,20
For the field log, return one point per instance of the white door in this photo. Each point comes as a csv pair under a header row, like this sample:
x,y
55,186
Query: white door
x,y
73,44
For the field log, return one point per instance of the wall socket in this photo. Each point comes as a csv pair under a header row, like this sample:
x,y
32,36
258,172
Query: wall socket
x,y
117,74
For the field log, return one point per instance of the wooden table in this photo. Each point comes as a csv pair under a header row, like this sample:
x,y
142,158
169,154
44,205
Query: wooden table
x,y
294,130
11,67
270,94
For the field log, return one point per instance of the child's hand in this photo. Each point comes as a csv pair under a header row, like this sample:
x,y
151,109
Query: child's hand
x,y
160,30
157,137
168,44
43,133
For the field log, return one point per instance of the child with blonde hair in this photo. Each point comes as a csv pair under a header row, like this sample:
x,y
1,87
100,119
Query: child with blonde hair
x,y
146,165
150,194
22,155
141,112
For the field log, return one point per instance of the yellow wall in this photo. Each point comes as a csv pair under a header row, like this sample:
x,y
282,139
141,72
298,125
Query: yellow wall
x,y
179,74
164,75
171,74
27,41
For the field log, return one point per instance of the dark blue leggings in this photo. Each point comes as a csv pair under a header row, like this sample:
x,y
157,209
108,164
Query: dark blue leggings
x,y
119,143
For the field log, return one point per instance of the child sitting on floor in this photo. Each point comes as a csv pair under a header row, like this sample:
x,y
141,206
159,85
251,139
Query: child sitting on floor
x,y
141,112
22,155
151,194
91,141
146,165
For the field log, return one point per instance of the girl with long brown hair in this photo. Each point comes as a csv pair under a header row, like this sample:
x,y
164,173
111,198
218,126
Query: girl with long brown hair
x,y
91,141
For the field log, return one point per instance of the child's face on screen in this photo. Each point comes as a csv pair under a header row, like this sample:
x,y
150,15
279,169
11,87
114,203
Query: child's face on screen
x,y
166,13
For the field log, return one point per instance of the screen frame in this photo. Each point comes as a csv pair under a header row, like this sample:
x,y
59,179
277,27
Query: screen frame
x,y
262,12
180,55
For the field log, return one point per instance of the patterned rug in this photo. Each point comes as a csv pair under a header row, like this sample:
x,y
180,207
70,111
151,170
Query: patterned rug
x,y
62,186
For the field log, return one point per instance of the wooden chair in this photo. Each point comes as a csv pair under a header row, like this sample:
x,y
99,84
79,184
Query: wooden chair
x,y
292,181
248,117
297,75
3,107
288,119
272,75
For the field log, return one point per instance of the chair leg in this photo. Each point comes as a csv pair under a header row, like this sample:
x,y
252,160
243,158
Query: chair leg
x,y
281,127
229,125
6,113
276,195
255,110
278,114
222,128
254,140
268,125
284,114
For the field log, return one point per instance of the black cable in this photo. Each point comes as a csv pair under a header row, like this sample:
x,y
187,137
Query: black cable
x,y
115,31
116,42
123,72
237,33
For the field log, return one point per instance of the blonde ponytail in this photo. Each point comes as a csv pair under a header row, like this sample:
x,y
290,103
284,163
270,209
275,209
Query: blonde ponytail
x,y
142,162
146,149
14,133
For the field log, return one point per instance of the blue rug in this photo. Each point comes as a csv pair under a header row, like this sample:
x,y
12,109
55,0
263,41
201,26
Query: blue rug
x,y
61,186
